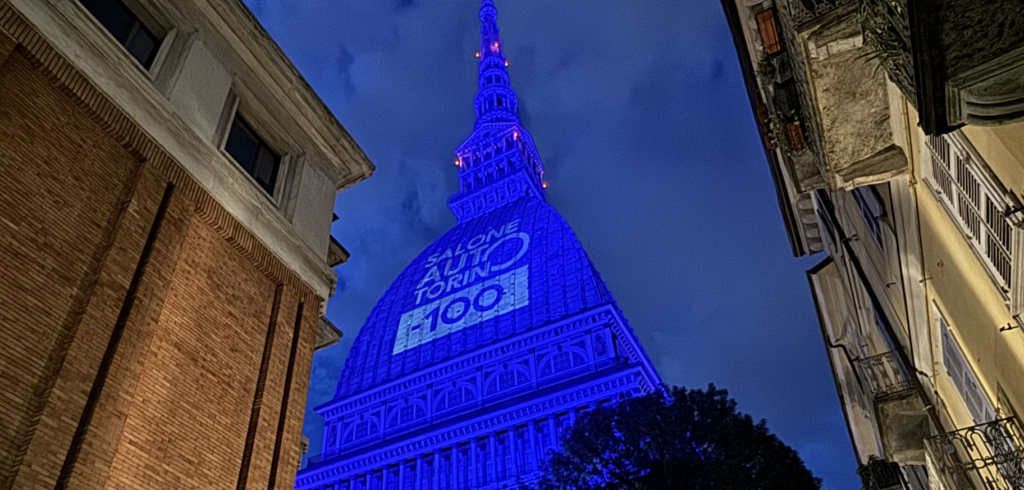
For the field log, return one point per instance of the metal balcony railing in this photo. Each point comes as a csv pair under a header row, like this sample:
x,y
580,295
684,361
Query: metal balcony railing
x,y
880,474
983,457
884,375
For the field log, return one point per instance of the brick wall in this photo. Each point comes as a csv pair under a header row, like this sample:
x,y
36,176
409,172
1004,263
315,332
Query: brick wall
x,y
146,339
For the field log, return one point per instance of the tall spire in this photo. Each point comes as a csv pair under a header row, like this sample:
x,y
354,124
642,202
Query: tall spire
x,y
496,101
498,163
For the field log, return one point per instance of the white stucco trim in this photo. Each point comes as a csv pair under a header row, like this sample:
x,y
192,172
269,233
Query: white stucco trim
x,y
257,63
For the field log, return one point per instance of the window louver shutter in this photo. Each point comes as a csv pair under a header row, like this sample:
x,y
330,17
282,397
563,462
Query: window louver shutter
x,y
964,379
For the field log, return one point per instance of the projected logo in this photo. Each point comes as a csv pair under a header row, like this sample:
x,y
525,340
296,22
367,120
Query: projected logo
x,y
476,280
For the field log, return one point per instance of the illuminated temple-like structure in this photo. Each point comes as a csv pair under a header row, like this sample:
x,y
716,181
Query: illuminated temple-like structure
x,y
488,344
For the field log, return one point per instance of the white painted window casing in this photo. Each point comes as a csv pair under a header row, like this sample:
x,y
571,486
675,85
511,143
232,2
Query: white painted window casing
x,y
963,376
872,210
977,202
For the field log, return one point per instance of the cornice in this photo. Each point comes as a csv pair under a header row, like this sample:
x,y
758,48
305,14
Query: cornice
x,y
601,315
526,411
298,268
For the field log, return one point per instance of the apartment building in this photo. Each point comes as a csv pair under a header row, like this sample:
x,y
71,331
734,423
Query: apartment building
x,y
168,181
894,132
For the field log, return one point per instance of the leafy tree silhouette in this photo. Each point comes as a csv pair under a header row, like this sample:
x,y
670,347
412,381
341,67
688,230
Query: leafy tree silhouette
x,y
675,439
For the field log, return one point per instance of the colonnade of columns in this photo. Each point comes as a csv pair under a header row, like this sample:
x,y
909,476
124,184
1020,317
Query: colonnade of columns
x,y
495,460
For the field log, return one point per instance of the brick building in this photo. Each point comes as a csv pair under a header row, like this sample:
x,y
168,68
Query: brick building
x,y
167,180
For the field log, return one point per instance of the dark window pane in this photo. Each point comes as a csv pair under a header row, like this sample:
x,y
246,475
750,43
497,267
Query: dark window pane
x,y
253,154
242,145
143,46
113,15
266,168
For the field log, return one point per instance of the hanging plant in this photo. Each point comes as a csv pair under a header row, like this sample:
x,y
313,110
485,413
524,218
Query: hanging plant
x,y
788,135
766,70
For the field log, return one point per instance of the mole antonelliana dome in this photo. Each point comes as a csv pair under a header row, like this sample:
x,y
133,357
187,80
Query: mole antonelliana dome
x,y
491,341
525,243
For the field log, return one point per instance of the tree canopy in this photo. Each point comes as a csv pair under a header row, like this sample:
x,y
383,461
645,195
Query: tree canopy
x,y
687,440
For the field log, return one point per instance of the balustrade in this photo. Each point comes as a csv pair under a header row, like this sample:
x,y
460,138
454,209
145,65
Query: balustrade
x,y
982,457
884,375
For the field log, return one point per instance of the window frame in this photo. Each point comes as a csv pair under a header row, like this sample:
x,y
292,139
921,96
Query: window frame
x,y
943,158
254,115
765,18
969,384
262,148
873,221
142,19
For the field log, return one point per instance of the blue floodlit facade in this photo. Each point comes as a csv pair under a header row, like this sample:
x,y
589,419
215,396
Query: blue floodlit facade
x,y
488,344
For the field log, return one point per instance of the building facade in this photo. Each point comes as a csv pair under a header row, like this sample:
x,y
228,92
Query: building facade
x,y
168,181
895,137
492,340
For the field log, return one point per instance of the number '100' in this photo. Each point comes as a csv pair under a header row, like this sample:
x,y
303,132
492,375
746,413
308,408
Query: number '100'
x,y
453,310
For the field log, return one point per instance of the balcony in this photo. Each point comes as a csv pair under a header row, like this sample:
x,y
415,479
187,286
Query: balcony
x,y
880,474
983,457
958,61
902,420
843,92
884,375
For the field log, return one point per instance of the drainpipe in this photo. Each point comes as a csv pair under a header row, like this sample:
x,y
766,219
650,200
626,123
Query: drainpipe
x,y
912,183
900,350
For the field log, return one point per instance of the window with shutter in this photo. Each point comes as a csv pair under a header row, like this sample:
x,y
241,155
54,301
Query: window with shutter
x,y
976,202
872,210
769,31
964,378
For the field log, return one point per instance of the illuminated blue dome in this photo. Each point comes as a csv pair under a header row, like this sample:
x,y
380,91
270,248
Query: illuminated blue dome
x,y
527,240
487,346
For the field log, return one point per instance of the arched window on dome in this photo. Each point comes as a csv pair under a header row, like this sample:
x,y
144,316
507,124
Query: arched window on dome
x,y
361,429
506,379
566,359
457,395
407,412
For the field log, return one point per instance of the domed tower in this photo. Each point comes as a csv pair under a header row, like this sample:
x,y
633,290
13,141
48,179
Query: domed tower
x,y
491,341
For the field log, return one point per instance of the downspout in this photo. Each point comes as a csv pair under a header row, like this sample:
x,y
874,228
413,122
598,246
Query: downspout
x,y
830,345
889,330
912,184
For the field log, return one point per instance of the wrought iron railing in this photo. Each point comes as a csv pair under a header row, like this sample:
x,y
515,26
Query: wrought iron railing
x,y
884,375
880,474
983,457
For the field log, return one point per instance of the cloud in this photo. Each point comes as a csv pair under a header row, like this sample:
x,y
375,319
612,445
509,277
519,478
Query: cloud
x,y
640,114
404,4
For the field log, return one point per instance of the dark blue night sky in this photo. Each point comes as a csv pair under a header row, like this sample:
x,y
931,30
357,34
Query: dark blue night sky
x,y
639,112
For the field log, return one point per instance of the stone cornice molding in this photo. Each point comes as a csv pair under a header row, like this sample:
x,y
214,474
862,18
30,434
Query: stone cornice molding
x,y
605,315
526,411
119,126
